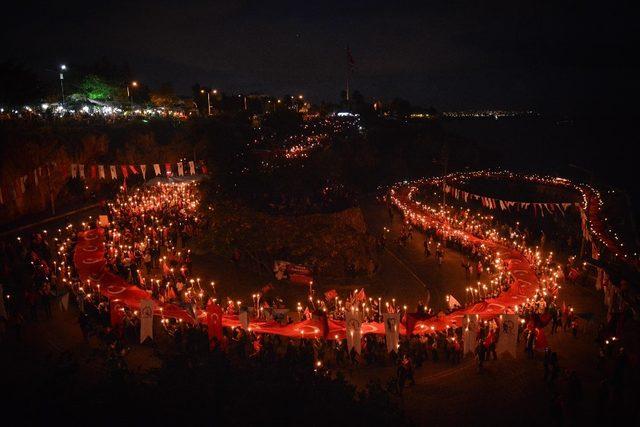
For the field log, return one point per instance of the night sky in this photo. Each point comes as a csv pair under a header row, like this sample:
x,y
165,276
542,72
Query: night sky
x,y
560,56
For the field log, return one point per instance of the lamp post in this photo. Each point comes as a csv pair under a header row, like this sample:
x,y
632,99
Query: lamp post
x,y
130,93
63,68
208,101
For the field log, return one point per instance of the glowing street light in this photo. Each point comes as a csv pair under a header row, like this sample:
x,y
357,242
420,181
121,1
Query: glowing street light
x,y
63,68
208,99
133,84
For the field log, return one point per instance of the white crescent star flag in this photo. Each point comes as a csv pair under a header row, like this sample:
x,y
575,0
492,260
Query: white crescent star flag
x,y
391,325
74,170
156,169
101,171
192,167
81,170
354,332
146,319
143,169
114,174
180,169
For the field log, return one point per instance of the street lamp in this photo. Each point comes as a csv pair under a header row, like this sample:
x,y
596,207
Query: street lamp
x,y
63,68
130,93
208,100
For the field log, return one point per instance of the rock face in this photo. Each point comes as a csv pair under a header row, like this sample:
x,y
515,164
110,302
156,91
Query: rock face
x,y
332,244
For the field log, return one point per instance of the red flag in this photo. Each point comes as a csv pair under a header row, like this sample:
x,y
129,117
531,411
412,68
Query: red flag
x,y
203,168
329,295
167,167
489,340
94,169
124,170
360,296
214,322
541,339
133,169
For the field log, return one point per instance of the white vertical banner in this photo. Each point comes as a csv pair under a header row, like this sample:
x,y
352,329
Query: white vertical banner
x,y
243,317
81,171
156,169
391,331
469,334
101,171
192,167
74,170
146,319
143,169
114,174
508,338
354,334
180,169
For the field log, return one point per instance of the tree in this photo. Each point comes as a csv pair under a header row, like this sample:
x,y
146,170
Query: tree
x,y
96,88
165,96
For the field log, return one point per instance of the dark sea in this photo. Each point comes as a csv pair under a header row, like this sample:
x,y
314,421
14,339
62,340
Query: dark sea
x,y
603,149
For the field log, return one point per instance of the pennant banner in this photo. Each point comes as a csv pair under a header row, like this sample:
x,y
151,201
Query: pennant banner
x,y
392,331
146,319
354,331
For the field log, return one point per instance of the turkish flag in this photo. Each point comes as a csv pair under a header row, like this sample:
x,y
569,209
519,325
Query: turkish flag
x,y
133,169
167,167
124,170
329,295
214,323
541,339
94,171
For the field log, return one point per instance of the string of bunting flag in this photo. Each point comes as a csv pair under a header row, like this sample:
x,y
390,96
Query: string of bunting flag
x,y
595,224
20,185
506,205
114,172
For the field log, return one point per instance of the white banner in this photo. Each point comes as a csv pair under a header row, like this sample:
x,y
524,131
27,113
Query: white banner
x,y
114,174
192,167
244,319
81,170
180,169
470,333
391,325
354,334
64,302
508,340
146,319
74,170
143,169
156,169
453,303
101,171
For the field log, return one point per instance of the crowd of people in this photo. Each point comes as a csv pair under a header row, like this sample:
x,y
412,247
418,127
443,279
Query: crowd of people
x,y
147,243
